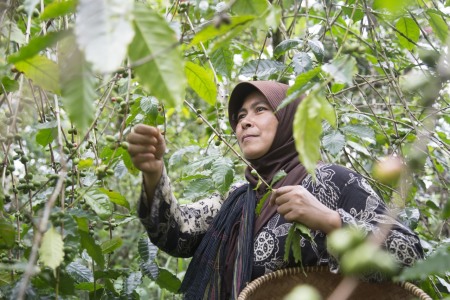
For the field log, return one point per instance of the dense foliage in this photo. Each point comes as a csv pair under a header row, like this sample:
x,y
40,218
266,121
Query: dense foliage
x,y
77,75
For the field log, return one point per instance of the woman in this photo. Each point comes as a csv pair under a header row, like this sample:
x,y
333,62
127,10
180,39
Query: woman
x,y
230,245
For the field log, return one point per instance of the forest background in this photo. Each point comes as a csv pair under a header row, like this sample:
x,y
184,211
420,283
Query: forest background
x,y
77,75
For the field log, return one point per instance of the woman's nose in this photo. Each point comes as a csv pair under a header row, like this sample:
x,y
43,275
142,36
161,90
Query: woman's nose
x,y
246,122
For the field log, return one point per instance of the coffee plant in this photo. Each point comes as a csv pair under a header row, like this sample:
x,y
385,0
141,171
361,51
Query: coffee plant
x,y
76,76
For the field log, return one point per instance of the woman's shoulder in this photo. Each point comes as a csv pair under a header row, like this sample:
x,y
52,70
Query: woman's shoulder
x,y
336,174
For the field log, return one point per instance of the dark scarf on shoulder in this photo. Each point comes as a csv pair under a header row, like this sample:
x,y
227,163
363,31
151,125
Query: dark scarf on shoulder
x,y
222,264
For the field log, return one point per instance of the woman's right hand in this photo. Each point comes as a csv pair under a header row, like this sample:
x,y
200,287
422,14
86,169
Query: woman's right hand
x,y
146,148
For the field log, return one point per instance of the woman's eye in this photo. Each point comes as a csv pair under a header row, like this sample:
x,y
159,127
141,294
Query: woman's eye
x,y
260,108
240,116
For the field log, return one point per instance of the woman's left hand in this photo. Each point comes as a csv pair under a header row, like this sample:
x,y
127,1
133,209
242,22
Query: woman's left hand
x,y
296,204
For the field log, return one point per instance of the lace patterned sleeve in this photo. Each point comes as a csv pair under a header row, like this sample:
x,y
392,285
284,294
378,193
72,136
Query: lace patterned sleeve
x,y
360,205
176,229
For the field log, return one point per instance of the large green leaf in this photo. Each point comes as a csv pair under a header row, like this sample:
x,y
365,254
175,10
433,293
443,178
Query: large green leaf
x,y
77,83
303,82
13,32
198,188
36,45
262,68
222,60
224,32
222,174
51,252
7,234
302,63
360,131
43,71
410,32
201,80
342,69
94,250
395,7
154,48
439,26
168,281
46,133
111,245
334,142
308,128
99,202
131,283
58,9
284,46
177,156
116,197
250,7
147,252
79,272
104,30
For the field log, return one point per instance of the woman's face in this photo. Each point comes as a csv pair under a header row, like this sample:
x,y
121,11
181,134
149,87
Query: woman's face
x,y
256,127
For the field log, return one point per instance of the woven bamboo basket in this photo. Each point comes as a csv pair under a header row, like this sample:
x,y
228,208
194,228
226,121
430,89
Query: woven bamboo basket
x,y
278,284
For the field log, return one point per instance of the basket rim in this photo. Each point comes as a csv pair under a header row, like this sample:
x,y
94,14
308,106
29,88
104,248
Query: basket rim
x,y
255,284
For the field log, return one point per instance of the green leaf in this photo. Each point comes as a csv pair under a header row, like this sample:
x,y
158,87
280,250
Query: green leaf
x,y
94,250
147,252
99,202
201,80
361,131
278,176
408,28
177,156
131,283
10,85
58,9
439,26
36,45
5,278
198,188
168,281
302,63
307,131
13,33
250,7
285,46
79,272
51,252
317,48
104,30
77,83
222,59
43,71
46,133
116,197
222,174
261,68
293,244
162,73
261,203
29,6
395,7
334,142
88,286
302,83
342,69
111,245
355,13
7,234
223,32
203,162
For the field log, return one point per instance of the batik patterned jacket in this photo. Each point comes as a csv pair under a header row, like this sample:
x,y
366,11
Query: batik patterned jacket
x,y
178,229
